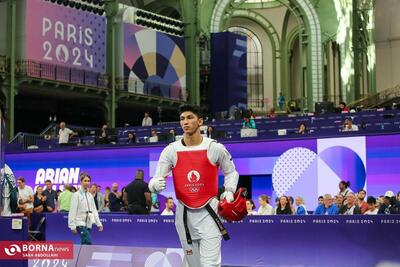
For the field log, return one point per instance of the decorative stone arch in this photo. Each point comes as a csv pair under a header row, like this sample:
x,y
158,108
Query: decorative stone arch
x,y
312,26
273,36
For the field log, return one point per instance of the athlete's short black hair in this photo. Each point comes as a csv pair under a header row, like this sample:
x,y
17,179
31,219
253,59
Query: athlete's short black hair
x,y
194,109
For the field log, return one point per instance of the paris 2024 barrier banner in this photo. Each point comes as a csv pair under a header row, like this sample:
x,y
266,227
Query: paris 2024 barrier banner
x,y
318,241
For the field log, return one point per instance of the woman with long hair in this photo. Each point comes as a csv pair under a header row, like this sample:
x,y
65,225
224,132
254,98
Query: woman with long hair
x,y
283,206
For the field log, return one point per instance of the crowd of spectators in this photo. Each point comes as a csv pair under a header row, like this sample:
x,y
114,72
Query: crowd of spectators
x,y
135,198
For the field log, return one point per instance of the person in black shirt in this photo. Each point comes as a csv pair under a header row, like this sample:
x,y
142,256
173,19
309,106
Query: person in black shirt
x,y
115,199
131,138
137,196
283,206
51,197
39,201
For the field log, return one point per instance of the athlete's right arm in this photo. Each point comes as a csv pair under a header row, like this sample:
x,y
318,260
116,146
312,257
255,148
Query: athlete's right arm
x,y
164,167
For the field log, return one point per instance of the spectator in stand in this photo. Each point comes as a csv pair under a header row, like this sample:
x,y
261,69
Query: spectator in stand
x,y
302,129
348,126
248,121
252,113
301,208
97,197
398,196
131,138
271,113
250,207
39,200
115,198
58,193
137,196
211,133
327,208
169,205
344,188
104,135
64,134
265,208
361,201
291,204
107,199
51,197
388,204
283,206
320,200
25,197
372,209
343,107
350,208
281,101
64,201
339,201
171,135
73,189
147,120
154,136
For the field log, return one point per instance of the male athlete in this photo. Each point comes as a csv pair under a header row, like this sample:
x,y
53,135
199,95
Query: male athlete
x,y
194,162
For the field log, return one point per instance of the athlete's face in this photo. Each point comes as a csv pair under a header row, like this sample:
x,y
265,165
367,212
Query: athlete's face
x,y
190,122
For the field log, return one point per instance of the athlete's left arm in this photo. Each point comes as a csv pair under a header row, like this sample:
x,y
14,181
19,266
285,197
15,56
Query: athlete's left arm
x,y
225,163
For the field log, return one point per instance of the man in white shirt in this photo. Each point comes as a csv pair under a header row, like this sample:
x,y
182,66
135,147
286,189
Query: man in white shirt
x,y
25,197
64,134
265,208
83,213
169,205
194,162
147,120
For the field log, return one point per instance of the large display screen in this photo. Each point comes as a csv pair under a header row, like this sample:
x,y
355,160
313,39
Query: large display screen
x,y
308,167
65,36
154,62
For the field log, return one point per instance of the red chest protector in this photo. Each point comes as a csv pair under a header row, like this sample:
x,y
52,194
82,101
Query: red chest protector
x,y
195,178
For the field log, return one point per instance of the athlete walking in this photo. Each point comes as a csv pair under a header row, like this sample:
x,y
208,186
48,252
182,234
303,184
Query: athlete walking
x,y
194,162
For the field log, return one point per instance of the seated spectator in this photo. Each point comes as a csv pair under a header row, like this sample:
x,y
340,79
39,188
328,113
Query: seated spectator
x,y
248,121
51,197
271,113
350,207
265,208
25,197
64,134
115,199
327,208
64,201
291,204
339,201
398,196
169,205
104,135
389,204
250,207
39,200
147,120
153,137
283,206
301,208
361,201
320,200
106,199
372,209
348,126
137,196
211,132
302,129
171,135
131,138
343,107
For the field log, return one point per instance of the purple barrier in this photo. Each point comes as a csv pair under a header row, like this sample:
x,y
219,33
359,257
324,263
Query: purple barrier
x,y
8,234
321,241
